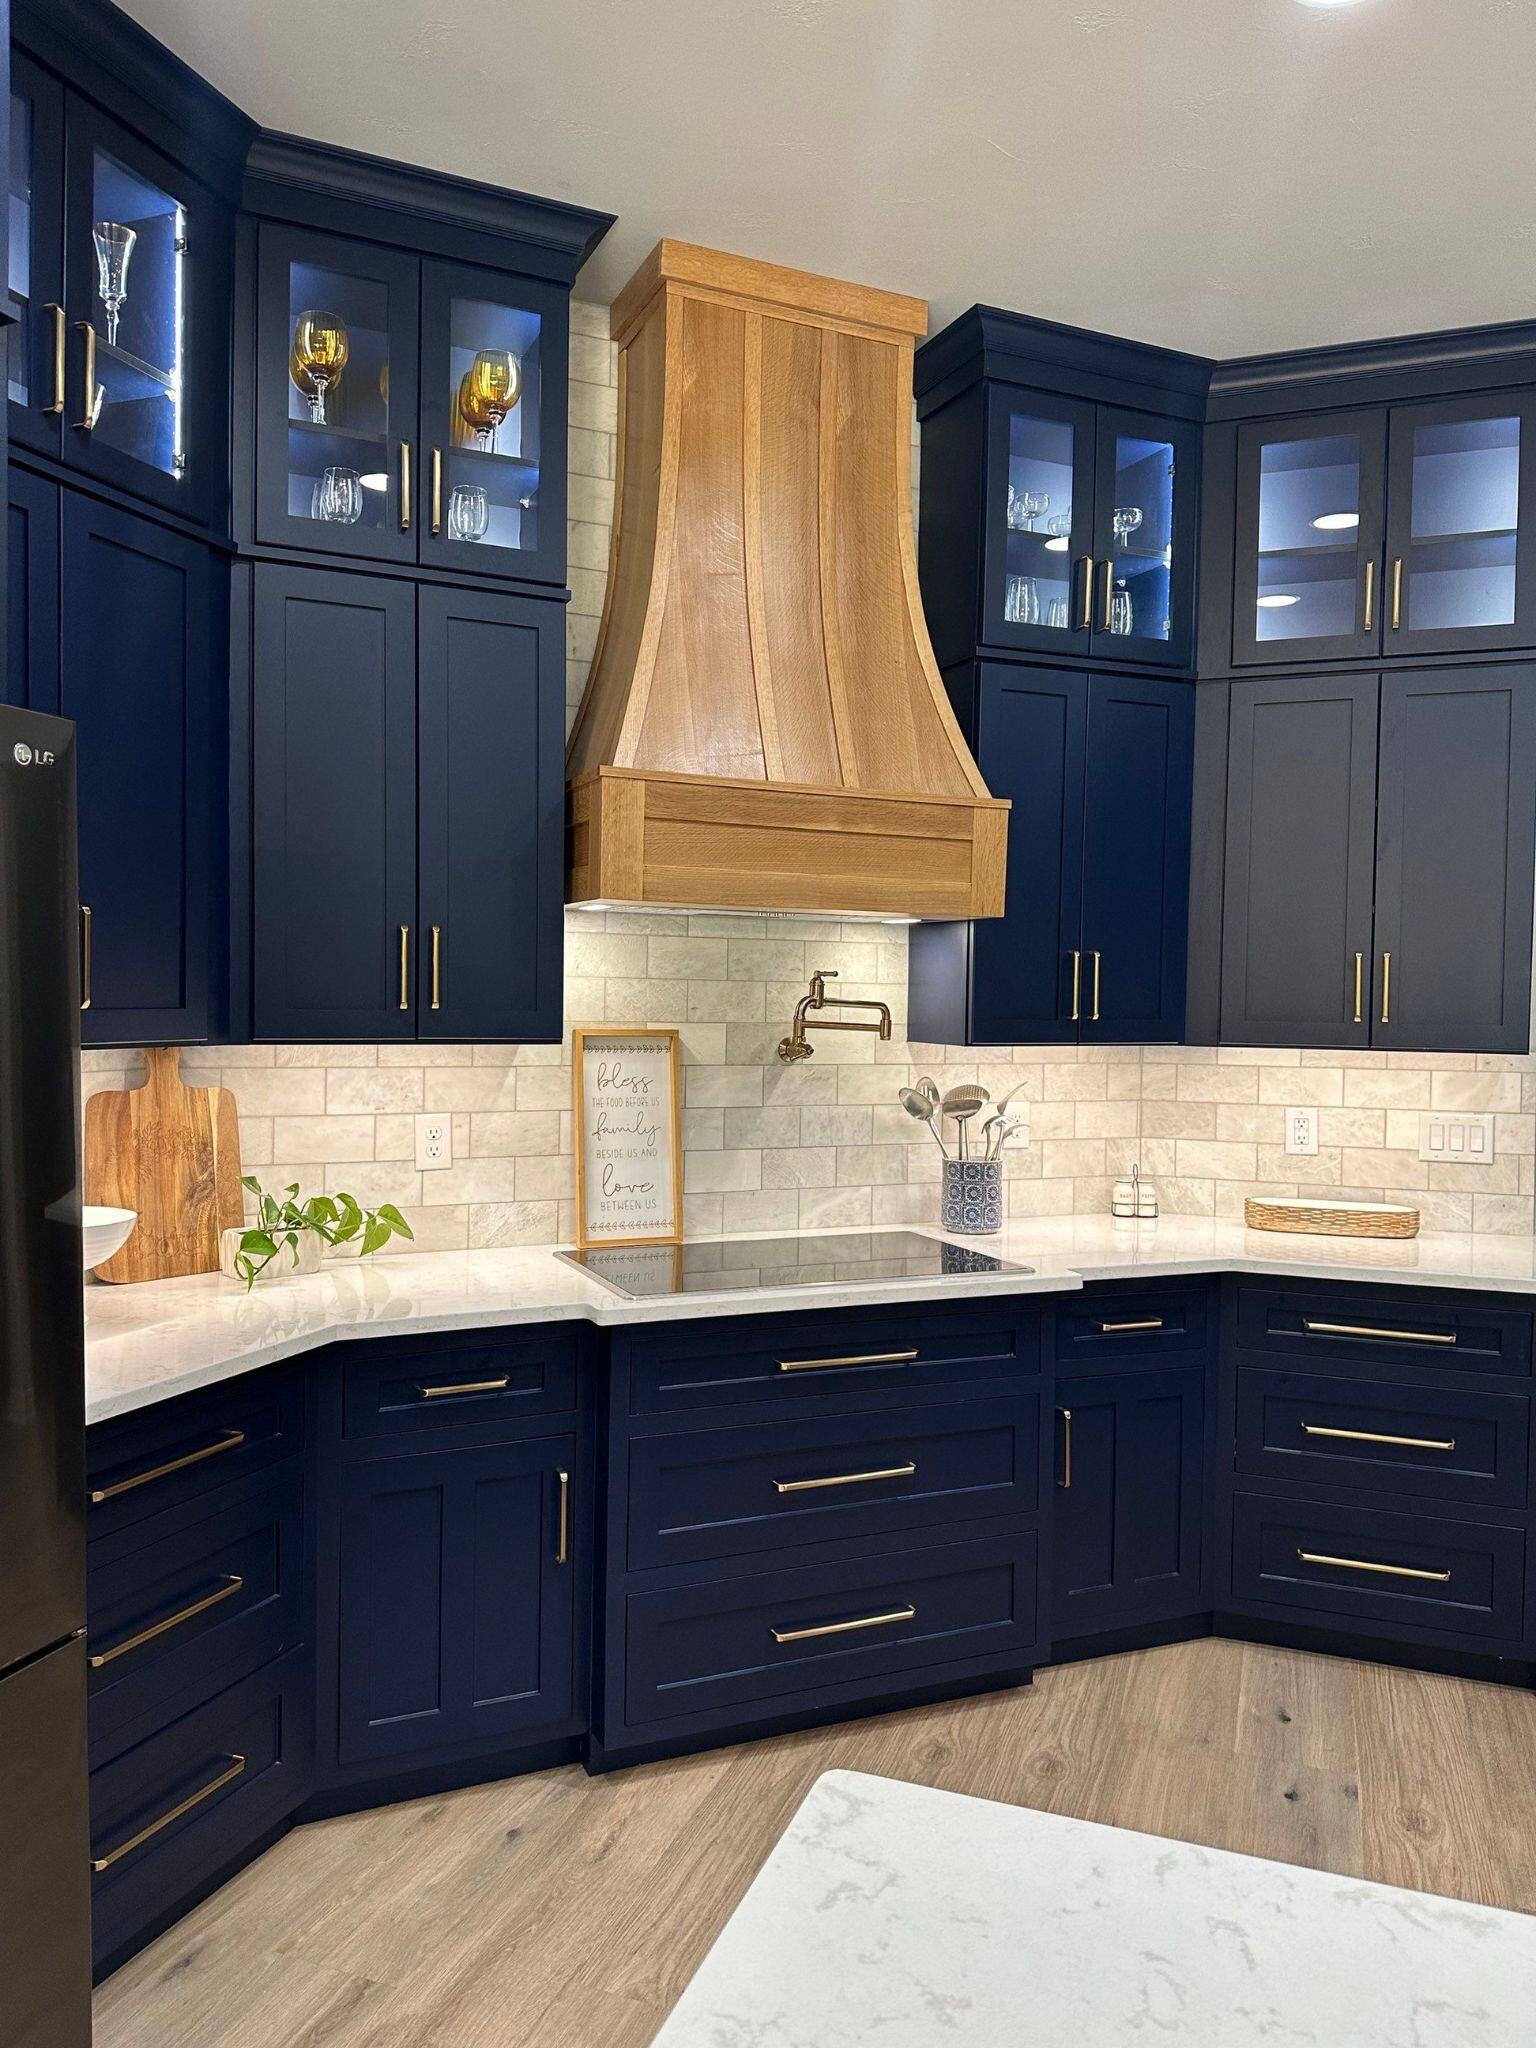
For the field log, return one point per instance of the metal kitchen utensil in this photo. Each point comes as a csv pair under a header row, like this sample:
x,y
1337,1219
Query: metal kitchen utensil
x,y
986,1135
962,1103
1006,1128
925,1085
915,1103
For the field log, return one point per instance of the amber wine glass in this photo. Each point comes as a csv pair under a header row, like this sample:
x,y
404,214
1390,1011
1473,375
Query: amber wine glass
x,y
320,351
488,390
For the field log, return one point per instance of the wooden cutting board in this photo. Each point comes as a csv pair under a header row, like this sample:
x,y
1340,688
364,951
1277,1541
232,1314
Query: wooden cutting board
x,y
172,1153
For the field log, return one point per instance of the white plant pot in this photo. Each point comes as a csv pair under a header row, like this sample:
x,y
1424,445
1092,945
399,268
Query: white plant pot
x,y
305,1257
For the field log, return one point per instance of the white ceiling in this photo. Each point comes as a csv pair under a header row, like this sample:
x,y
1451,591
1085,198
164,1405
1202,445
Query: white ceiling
x,y
1220,175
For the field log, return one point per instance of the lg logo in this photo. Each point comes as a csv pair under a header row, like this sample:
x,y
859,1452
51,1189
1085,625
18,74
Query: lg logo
x,y
25,758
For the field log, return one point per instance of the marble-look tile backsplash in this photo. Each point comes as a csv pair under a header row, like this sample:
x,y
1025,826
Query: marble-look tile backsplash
x,y
826,1142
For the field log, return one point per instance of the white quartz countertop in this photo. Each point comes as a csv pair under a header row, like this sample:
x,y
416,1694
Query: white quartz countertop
x,y
907,1916
148,1343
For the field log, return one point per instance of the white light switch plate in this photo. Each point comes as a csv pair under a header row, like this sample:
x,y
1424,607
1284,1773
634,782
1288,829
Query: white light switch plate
x,y
434,1141
1301,1131
1455,1138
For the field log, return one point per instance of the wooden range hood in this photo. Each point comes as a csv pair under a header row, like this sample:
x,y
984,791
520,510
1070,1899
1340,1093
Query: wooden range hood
x,y
764,727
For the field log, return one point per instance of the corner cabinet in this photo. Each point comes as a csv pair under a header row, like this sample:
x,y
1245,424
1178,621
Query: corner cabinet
x,y
1380,845
1091,946
410,740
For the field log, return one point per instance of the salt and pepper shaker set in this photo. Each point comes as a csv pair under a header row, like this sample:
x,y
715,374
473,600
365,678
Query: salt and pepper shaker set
x,y
1134,1198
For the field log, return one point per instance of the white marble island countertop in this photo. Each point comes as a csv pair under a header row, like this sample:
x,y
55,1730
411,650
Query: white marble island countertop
x,y
151,1342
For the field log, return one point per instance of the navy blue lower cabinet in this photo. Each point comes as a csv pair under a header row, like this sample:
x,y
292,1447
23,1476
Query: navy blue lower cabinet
x,y
834,1634
1128,1510
457,1605
32,594
1365,1329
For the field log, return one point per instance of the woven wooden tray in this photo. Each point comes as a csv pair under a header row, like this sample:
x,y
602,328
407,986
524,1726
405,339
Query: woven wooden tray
x,y
1332,1219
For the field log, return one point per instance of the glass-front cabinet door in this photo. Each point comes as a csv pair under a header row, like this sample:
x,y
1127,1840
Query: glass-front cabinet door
x,y
1459,475
493,371
336,396
146,257
1040,522
35,345
1309,538
1144,537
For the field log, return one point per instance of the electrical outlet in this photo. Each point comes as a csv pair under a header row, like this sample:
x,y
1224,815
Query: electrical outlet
x,y
434,1141
1301,1131
1451,1138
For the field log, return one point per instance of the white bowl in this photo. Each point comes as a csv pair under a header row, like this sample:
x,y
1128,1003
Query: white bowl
x,y
105,1231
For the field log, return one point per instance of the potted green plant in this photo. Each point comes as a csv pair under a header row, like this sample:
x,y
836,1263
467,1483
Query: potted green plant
x,y
303,1230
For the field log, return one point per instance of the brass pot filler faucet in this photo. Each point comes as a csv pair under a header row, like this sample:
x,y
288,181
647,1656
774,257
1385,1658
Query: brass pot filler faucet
x,y
798,1047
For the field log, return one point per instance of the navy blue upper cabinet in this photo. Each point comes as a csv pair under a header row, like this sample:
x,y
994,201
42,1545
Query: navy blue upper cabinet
x,y
1059,492
492,816
120,270
1092,944
336,395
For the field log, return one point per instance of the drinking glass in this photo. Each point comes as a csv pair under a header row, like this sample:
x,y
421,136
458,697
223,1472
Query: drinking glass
x,y
1059,525
1033,505
1021,601
488,390
320,350
1120,612
114,246
1127,519
338,497
469,512
1056,613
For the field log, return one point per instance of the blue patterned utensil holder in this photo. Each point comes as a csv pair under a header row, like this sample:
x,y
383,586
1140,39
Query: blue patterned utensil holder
x,y
971,1197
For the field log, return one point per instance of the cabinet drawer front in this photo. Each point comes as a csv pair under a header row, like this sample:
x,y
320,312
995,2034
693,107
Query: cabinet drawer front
x,y
405,1388
201,1604
1447,1445
1462,1578
170,1810
147,1463
1338,1331
782,1359
721,1492
755,1643
1121,1329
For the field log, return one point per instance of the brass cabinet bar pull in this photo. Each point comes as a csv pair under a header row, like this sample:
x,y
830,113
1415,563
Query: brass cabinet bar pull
x,y
844,1479
93,396
1114,1329
1397,594
230,1441
563,1547
467,1387
405,486
59,327
833,1364
1386,988
1094,1016
405,967
231,1586
1368,1330
85,956
1374,1436
1370,596
1065,1481
1359,988
437,491
1365,1564
1109,592
843,1628
225,1777
1077,987
437,967
1085,563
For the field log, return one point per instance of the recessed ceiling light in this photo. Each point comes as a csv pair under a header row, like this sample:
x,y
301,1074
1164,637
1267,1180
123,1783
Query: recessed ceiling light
x,y
1328,3
1057,544
1335,522
375,480
1276,599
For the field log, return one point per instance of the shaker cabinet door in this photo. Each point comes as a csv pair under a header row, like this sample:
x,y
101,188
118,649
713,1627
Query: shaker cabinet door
x,y
1039,512
32,590
492,800
36,344
1146,493
1135,888
334,805
1301,803
1455,852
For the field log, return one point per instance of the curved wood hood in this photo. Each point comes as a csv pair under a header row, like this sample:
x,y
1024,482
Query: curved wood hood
x,y
764,726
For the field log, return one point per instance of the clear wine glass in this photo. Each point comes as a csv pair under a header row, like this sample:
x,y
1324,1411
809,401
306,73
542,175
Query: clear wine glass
x,y
1059,525
1127,519
469,512
338,497
1033,505
114,247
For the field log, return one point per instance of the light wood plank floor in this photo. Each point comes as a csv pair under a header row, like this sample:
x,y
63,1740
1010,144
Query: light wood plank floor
x,y
559,1911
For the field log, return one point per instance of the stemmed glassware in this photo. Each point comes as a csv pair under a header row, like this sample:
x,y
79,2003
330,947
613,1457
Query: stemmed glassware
x,y
114,247
1025,507
488,391
320,350
1127,519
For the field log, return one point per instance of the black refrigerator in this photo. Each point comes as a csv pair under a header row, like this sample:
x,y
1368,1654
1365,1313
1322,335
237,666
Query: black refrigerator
x,y
45,1905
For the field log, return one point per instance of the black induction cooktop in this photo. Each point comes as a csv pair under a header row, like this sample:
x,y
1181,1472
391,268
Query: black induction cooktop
x,y
732,1265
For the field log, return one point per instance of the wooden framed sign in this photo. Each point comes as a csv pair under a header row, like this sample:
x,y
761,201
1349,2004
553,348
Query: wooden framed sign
x,y
629,1144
